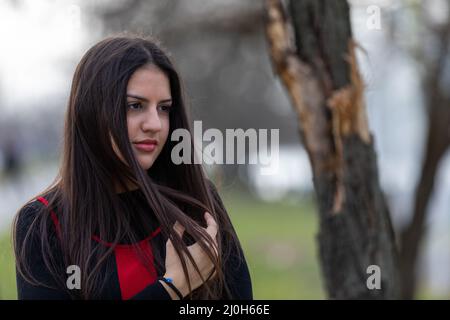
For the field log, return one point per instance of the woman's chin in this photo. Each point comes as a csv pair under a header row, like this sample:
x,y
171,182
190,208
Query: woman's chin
x,y
146,164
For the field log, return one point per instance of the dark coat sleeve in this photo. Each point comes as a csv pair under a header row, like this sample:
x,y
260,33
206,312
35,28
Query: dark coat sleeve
x,y
35,261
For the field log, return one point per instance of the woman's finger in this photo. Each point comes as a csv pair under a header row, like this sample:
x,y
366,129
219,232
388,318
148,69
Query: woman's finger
x,y
179,228
211,229
211,225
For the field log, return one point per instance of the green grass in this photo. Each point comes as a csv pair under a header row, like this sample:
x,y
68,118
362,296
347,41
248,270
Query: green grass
x,y
7,270
278,241
279,244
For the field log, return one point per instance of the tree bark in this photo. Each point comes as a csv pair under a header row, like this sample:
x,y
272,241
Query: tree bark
x,y
313,53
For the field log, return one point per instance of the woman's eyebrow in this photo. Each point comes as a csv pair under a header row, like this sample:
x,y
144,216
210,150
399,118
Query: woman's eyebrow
x,y
144,99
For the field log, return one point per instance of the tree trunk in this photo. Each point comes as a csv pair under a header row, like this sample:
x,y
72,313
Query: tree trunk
x,y
321,75
437,102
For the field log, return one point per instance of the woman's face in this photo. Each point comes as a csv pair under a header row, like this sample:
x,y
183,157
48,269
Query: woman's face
x,y
149,101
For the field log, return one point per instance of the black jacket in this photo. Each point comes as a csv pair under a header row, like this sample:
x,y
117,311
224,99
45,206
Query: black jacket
x,y
126,276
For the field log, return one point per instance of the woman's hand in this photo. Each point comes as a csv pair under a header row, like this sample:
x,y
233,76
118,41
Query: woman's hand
x,y
174,268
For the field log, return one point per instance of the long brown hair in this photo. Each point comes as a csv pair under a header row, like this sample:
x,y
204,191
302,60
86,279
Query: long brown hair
x,y
84,191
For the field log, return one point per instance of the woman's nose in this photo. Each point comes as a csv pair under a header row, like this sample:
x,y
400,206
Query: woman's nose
x,y
152,121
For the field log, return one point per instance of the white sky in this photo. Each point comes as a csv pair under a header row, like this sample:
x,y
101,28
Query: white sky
x,y
38,37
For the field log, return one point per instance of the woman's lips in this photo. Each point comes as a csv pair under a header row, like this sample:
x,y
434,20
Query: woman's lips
x,y
146,146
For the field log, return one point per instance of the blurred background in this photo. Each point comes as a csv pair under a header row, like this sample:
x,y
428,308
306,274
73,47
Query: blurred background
x,y
220,49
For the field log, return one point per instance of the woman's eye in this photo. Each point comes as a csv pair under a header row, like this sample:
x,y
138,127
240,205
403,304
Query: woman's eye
x,y
165,108
134,106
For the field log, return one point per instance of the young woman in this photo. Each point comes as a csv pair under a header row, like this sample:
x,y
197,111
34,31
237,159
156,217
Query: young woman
x,y
121,220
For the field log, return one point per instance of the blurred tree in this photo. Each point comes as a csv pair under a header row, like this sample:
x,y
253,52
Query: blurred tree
x,y
314,55
428,33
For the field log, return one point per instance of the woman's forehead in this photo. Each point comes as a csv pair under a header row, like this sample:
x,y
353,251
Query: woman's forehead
x,y
149,83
